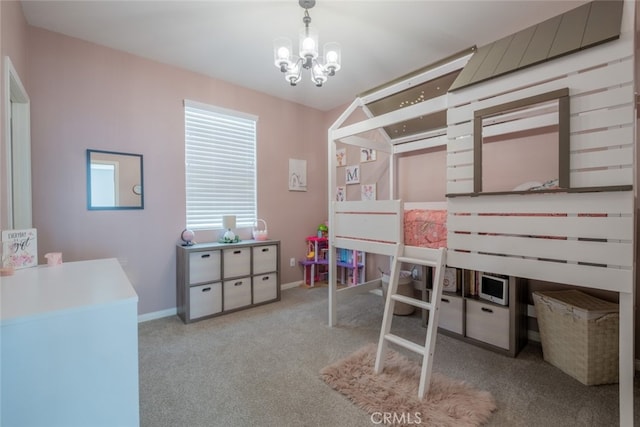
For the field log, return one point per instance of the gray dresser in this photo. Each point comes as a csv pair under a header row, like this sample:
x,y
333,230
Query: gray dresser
x,y
218,278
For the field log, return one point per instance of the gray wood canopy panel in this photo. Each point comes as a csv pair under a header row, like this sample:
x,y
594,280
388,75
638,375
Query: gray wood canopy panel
x,y
580,28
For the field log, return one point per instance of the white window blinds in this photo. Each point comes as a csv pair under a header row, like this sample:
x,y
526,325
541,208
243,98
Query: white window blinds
x,y
220,155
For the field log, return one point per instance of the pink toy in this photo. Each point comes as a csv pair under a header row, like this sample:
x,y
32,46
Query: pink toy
x,y
53,258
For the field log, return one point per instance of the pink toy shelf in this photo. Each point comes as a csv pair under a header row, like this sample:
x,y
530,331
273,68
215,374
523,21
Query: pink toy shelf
x,y
350,263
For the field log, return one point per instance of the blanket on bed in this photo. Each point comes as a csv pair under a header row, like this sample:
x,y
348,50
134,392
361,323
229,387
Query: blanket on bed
x,y
425,228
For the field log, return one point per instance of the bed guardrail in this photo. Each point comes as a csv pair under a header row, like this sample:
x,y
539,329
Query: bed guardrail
x,y
370,226
583,239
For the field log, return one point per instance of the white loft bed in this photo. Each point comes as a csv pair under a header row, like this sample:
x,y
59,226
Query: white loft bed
x,y
583,237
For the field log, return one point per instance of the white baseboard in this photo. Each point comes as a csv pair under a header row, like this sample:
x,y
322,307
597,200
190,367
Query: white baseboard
x,y
157,314
376,292
173,311
533,336
290,285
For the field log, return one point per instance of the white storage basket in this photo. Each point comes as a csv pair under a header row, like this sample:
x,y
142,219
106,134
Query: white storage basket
x,y
579,334
260,230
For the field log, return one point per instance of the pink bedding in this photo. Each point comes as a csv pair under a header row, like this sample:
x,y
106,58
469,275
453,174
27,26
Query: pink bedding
x,y
425,228
428,228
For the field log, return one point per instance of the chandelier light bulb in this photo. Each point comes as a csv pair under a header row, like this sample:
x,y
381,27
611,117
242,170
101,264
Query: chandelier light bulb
x,y
283,53
308,45
308,42
318,75
332,55
293,75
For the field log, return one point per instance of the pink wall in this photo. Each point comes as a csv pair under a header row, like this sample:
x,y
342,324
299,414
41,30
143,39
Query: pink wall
x,y
422,176
14,36
87,96
532,157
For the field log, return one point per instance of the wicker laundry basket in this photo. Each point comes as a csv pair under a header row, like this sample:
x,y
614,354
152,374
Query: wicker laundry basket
x,y
405,287
579,334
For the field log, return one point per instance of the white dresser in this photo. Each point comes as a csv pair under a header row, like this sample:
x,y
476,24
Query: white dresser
x,y
69,346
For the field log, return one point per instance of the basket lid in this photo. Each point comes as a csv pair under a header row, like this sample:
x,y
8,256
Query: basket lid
x,y
582,304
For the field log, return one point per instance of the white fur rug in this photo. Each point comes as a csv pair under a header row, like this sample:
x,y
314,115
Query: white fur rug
x,y
392,397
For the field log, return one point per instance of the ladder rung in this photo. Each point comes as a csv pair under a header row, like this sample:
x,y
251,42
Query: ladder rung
x,y
416,348
412,301
418,261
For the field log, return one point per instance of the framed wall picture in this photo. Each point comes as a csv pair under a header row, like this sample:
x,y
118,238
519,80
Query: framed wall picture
x,y
367,155
352,174
297,175
341,157
341,194
368,192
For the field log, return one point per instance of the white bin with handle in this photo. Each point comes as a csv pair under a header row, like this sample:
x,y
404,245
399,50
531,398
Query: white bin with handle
x,y
260,230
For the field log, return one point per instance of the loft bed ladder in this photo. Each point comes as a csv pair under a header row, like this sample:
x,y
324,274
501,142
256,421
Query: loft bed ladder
x,y
435,258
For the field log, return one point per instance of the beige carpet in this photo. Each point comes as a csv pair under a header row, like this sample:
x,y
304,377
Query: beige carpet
x,y
392,397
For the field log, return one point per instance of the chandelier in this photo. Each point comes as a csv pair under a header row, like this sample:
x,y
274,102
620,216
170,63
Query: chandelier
x,y
292,65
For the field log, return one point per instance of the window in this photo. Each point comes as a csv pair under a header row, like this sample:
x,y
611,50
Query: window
x,y
534,133
220,156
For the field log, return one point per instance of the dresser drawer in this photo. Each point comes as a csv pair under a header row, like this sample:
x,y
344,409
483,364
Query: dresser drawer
x,y
265,288
237,293
265,259
237,262
488,323
205,300
451,313
204,266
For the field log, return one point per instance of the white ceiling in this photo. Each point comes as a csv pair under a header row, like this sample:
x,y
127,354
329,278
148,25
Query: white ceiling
x,y
233,40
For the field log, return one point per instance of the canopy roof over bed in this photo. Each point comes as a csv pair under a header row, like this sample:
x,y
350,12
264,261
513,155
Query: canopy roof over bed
x,y
588,25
